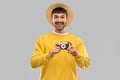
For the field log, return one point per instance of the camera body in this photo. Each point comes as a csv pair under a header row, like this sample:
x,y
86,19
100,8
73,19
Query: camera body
x,y
64,45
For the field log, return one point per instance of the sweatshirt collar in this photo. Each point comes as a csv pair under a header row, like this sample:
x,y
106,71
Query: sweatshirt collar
x,y
59,33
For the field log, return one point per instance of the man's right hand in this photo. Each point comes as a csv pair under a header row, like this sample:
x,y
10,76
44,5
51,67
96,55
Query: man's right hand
x,y
55,50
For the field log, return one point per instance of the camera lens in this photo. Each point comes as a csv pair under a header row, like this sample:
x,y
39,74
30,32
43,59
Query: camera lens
x,y
63,46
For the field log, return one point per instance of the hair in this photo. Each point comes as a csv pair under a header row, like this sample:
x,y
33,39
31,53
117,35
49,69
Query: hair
x,y
59,10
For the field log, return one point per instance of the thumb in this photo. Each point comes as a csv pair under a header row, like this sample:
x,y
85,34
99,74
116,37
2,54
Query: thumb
x,y
70,43
57,45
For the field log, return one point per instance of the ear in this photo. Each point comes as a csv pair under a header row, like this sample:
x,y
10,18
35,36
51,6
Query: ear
x,y
53,19
65,19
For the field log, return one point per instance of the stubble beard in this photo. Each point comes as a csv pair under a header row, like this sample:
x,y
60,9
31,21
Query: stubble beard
x,y
59,26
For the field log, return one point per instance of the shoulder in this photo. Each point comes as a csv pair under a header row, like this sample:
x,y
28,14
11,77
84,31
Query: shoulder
x,y
42,36
76,37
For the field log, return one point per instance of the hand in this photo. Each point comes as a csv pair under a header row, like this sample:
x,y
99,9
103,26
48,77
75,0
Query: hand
x,y
71,49
55,50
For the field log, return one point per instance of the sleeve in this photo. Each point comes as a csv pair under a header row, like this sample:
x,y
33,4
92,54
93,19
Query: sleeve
x,y
39,56
82,60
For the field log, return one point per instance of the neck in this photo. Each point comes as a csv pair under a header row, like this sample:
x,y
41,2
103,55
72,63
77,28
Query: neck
x,y
60,32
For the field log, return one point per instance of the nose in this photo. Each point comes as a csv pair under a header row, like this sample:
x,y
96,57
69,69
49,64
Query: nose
x,y
59,19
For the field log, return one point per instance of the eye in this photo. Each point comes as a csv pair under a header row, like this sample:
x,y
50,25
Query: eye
x,y
62,17
55,16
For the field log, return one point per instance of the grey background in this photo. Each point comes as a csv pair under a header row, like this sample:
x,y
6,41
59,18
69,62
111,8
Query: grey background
x,y
97,22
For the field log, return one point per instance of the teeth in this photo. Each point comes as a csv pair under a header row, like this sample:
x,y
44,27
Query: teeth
x,y
59,23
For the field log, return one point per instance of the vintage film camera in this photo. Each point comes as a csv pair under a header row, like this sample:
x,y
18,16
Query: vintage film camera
x,y
64,45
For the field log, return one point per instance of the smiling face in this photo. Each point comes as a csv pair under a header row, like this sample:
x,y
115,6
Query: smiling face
x,y
59,17
59,20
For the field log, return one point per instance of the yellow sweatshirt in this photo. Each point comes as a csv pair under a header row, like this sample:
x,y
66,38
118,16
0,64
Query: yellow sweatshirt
x,y
61,66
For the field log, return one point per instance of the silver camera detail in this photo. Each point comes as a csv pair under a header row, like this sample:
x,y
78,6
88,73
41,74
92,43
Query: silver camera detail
x,y
64,45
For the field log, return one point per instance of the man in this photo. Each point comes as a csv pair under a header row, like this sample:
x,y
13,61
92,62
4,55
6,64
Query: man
x,y
58,51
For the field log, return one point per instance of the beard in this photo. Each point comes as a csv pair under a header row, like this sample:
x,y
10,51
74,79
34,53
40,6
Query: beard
x,y
59,25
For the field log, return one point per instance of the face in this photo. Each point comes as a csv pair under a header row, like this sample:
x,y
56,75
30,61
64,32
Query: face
x,y
59,20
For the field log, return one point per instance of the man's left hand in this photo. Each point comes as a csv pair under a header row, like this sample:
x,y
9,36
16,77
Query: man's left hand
x,y
71,49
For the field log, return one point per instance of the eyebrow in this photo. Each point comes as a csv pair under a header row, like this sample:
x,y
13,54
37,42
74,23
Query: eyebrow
x,y
57,15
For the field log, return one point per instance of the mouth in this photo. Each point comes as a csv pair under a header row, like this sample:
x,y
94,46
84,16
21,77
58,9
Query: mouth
x,y
59,23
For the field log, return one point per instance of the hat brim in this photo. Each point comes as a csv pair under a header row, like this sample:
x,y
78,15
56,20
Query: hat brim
x,y
53,6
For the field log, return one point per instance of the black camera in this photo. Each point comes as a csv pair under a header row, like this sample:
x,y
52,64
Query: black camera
x,y
64,45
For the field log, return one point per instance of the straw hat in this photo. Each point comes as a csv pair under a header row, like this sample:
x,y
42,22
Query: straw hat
x,y
53,6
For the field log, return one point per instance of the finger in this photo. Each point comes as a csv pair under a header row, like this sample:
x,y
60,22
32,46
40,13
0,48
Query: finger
x,y
70,51
70,47
58,45
58,48
70,43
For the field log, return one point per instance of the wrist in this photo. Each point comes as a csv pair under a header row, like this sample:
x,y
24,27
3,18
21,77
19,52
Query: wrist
x,y
76,54
51,54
